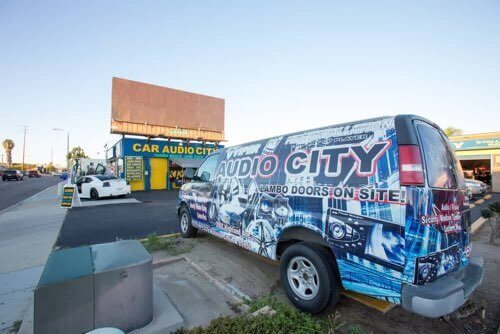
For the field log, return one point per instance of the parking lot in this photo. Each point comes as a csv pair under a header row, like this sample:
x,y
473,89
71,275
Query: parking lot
x,y
104,223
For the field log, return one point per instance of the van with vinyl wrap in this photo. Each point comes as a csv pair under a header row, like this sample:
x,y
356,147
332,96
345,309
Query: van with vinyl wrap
x,y
378,207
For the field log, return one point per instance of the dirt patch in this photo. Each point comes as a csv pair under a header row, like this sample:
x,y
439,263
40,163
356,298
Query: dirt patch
x,y
257,277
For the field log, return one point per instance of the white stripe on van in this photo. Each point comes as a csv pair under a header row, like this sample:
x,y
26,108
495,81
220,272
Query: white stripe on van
x,y
411,168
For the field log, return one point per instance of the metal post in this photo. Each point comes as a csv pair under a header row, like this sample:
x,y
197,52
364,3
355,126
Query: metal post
x,y
24,144
67,154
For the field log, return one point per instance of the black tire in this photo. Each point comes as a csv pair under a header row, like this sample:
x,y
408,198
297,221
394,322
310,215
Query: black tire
x,y
328,285
187,230
94,194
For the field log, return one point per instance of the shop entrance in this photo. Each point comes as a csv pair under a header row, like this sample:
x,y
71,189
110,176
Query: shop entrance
x,y
159,172
478,168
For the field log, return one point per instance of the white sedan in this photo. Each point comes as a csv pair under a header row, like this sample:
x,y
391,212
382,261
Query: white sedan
x,y
96,186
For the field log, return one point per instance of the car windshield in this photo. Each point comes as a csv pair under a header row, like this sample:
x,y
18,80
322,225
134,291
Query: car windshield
x,y
10,172
105,177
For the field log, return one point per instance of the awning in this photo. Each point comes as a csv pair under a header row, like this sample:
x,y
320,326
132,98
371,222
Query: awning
x,y
187,163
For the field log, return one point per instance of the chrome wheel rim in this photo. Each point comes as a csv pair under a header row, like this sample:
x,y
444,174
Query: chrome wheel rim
x,y
303,277
184,222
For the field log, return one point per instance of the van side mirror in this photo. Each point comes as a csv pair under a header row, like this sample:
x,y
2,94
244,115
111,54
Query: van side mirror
x,y
189,174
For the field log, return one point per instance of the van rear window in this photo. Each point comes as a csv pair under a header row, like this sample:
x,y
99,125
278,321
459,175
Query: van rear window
x,y
438,160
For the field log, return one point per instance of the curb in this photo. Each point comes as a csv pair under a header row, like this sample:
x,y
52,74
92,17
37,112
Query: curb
x,y
477,224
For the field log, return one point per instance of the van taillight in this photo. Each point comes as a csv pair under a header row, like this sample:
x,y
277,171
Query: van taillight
x,y
411,170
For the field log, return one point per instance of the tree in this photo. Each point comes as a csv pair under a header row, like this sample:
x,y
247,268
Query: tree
x,y
76,153
50,168
8,145
451,131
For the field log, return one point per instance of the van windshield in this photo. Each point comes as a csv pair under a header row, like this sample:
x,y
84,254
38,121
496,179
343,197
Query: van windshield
x,y
439,161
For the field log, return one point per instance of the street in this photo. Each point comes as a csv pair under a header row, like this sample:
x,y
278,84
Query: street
x,y
12,192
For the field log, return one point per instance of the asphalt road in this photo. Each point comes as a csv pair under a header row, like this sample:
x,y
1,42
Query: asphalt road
x,y
106,223
12,192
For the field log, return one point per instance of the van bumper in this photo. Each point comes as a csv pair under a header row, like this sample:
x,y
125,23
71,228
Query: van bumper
x,y
443,296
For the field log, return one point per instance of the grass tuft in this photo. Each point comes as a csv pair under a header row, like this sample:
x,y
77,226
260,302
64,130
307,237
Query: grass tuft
x,y
287,320
171,245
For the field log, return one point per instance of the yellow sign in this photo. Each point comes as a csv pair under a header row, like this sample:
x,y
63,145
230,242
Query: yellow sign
x,y
67,199
167,149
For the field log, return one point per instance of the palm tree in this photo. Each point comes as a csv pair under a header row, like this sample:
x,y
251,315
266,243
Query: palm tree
x,y
8,145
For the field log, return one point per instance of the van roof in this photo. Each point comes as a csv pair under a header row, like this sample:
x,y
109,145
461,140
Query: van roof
x,y
403,124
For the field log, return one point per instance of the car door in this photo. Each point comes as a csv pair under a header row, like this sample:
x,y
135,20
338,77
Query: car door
x,y
86,186
201,190
79,183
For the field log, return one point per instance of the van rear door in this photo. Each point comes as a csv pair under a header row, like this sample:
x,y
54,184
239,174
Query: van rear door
x,y
442,206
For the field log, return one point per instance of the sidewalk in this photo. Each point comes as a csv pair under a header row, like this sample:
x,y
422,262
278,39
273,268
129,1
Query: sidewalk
x,y
27,233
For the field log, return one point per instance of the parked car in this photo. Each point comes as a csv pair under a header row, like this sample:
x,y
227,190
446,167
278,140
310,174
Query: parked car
x,y
33,173
378,207
12,174
97,186
476,187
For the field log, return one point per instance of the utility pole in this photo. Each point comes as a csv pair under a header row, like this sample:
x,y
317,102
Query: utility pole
x,y
67,154
25,128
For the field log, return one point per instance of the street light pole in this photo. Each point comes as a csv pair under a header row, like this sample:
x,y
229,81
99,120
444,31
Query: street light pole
x,y
67,147
24,144
67,153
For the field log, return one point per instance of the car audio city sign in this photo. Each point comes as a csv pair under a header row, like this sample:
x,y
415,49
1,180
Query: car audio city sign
x,y
166,149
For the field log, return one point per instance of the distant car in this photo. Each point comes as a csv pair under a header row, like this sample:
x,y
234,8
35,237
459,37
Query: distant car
x,y
56,174
97,186
12,174
476,187
33,173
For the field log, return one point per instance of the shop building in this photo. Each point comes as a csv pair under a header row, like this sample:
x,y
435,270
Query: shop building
x,y
163,132
155,164
479,155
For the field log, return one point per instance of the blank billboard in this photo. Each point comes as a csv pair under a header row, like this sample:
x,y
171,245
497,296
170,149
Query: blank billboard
x,y
144,104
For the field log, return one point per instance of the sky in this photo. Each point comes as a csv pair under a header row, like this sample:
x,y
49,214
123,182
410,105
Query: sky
x,y
281,66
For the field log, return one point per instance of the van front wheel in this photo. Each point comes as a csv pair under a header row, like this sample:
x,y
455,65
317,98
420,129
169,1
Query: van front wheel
x,y
307,276
187,230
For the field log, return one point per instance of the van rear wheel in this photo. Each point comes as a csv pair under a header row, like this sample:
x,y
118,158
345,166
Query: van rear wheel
x,y
308,278
187,230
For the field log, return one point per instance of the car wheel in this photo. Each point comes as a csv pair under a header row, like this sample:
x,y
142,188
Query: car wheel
x,y
187,230
308,277
94,194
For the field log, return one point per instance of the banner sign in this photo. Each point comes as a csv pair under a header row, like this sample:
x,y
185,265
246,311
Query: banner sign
x,y
134,169
476,144
166,149
67,198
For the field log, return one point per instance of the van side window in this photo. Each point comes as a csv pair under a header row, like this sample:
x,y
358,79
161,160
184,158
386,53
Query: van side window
x,y
438,159
206,172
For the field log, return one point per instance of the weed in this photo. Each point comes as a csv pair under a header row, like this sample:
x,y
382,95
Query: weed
x,y
355,329
287,320
173,246
15,327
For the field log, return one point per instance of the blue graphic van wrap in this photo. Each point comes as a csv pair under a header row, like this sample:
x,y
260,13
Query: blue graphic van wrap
x,y
380,201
